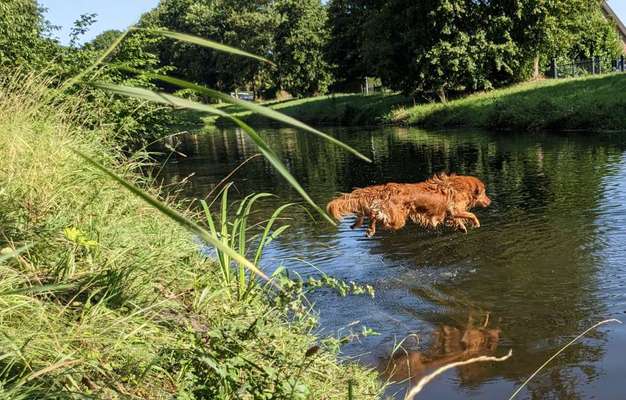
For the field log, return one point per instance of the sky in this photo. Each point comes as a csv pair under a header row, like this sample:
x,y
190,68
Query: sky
x,y
119,14
112,14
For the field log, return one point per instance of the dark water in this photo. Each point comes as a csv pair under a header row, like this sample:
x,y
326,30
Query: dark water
x,y
548,262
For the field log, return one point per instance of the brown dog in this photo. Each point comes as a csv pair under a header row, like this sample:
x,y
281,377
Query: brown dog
x,y
442,198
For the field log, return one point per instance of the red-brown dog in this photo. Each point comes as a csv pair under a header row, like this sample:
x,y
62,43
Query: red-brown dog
x,y
442,198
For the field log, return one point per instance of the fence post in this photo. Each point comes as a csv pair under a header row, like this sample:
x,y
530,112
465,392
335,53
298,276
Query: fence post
x,y
555,72
621,63
593,65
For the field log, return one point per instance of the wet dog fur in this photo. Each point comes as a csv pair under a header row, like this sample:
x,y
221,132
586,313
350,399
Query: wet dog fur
x,y
440,199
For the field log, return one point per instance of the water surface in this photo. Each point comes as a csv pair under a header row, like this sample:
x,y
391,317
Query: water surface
x,y
548,261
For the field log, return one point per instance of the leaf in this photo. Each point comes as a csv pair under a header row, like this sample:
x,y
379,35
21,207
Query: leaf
x,y
8,253
183,37
164,98
38,289
178,218
255,108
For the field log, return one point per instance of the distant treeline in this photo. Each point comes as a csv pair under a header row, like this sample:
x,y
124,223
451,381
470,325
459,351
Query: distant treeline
x,y
431,48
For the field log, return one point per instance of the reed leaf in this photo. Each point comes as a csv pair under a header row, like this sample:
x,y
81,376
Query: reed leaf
x,y
177,217
255,108
183,37
164,98
71,82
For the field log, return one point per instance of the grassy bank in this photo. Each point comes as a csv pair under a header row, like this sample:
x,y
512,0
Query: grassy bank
x,y
101,296
591,103
334,110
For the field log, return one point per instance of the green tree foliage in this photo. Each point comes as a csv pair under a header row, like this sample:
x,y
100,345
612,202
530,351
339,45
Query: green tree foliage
x,y
291,32
345,50
457,46
300,41
240,23
439,46
21,26
563,29
104,40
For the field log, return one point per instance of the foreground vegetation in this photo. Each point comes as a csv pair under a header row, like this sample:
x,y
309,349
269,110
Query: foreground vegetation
x,y
103,296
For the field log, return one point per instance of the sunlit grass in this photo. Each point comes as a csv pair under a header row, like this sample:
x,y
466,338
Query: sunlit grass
x,y
102,294
588,103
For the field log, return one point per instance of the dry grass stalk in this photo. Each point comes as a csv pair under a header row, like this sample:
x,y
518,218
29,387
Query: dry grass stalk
x,y
519,389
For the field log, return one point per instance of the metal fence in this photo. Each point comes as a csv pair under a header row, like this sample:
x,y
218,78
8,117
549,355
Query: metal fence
x,y
591,66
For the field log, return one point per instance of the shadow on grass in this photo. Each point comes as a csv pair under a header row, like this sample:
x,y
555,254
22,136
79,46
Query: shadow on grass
x,y
340,109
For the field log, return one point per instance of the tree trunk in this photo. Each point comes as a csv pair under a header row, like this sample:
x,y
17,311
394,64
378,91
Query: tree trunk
x,y
442,95
536,72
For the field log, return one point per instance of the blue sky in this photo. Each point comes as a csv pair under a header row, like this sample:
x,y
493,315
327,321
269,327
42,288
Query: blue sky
x,y
112,14
119,14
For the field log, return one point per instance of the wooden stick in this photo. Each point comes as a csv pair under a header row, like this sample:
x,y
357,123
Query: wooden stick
x,y
426,380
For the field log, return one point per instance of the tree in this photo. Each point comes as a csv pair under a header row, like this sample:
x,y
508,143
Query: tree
x,y
104,40
439,46
291,33
458,46
248,25
562,29
345,50
300,41
21,25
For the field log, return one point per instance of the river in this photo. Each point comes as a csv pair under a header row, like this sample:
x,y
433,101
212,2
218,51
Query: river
x,y
548,262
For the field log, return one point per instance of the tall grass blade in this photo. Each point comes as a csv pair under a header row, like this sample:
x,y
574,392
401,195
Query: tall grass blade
x,y
183,37
255,108
38,290
93,66
530,378
174,101
265,238
175,216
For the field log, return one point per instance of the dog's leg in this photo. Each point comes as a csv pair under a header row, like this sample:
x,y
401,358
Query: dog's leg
x,y
468,215
371,230
458,224
358,223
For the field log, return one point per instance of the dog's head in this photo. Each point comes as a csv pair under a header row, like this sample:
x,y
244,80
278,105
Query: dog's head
x,y
479,192
474,187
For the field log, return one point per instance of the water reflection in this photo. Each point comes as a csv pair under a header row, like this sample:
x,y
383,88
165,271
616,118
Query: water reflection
x,y
449,344
549,259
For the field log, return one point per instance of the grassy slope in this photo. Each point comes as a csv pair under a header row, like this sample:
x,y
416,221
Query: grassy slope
x,y
591,103
145,315
344,109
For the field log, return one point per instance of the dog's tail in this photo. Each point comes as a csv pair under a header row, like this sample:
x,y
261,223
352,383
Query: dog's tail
x,y
342,206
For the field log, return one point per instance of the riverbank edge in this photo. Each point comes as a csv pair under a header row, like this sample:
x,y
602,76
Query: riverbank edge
x,y
111,299
593,103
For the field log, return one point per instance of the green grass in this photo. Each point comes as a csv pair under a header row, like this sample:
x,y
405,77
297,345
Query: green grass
x,y
110,299
591,103
333,110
